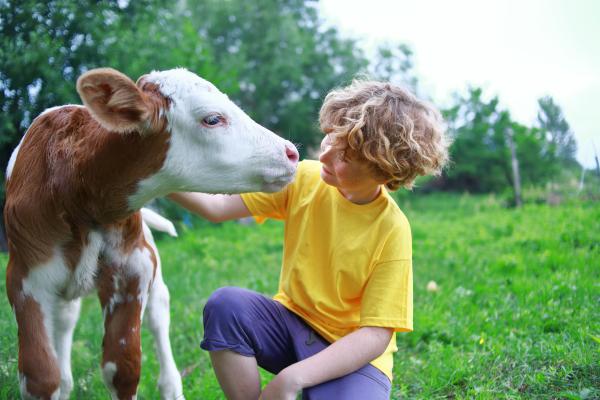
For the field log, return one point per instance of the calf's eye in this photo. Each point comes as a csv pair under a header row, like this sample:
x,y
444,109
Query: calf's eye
x,y
213,120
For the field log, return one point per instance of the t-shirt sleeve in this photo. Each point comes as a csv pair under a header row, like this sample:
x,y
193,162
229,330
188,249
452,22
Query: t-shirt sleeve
x,y
267,205
388,295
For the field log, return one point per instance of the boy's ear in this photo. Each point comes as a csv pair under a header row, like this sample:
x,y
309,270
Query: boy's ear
x,y
113,100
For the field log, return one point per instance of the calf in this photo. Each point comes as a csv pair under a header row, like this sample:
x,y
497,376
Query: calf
x,y
75,185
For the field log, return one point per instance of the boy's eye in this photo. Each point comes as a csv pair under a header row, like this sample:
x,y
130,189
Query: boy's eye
x,y
213,120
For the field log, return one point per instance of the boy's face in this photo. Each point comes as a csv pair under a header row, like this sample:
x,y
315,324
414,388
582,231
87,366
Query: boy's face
x,y
347,173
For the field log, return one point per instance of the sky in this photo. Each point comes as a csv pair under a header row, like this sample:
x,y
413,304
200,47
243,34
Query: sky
x,y
518,50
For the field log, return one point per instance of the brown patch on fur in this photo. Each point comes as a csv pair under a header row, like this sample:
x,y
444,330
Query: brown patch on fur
x,y
14,279
157,102
131,232
72,248
154,258
121,344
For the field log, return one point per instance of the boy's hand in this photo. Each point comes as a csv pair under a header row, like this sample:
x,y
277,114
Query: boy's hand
x,y
342,357
282,387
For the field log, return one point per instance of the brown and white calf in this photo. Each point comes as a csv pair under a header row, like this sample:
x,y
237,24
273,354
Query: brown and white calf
x,y
74,187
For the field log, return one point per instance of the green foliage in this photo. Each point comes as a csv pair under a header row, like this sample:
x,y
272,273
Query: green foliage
x,y
282,59
480,153
480,157
394,63
515,315
561,141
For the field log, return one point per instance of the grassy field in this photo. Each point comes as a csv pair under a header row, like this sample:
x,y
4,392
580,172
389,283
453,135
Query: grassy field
x,y
517,313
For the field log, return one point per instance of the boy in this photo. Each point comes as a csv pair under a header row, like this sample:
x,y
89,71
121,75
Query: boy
x,y
346,279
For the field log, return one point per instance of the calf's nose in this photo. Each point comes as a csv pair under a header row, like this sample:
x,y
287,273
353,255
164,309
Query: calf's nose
x,y
292,153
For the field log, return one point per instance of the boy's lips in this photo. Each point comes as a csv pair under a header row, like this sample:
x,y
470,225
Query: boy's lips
x,y
326,170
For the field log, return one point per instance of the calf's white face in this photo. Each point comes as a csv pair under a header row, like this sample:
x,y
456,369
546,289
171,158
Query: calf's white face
x,y
215,147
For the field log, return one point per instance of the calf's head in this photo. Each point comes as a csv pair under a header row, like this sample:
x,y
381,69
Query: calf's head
x,y
213,146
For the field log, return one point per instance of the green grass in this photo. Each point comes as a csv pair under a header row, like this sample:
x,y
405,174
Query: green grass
x,y
516,313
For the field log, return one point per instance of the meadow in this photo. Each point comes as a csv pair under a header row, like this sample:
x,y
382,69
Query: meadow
x,y
516,314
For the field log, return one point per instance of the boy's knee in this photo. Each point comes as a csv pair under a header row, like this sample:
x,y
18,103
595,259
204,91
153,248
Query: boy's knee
x,y
228,321
224,301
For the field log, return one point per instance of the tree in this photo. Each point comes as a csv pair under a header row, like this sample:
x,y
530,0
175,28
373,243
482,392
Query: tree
x,y
480,153
537,165
394,63
560,138
283,59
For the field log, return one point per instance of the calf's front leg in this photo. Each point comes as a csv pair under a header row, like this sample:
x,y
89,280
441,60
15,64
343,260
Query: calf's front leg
x,y
122,297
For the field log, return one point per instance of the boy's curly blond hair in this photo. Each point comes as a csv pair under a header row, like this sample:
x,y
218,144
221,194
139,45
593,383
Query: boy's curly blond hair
x,y
386,125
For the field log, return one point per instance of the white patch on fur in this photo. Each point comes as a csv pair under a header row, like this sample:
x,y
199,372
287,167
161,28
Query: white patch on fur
x,y
238,156
47,110
43,283
66,316
112,242
109,371
23,387
83,280
140,264
114,300
13,158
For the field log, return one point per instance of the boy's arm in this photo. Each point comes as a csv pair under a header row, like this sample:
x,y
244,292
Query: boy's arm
x,y
213,207
342,357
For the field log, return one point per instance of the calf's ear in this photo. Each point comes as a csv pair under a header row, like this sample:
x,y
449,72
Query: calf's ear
x,y
114,100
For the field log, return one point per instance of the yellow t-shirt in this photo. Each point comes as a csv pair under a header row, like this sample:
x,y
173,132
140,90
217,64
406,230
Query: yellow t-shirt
x,y
345,265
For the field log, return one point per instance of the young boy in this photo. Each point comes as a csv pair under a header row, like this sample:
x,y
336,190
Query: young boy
x,y
346,280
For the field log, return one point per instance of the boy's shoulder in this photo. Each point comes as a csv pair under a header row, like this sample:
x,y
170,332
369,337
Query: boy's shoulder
x,y
394,214
308,166
308,171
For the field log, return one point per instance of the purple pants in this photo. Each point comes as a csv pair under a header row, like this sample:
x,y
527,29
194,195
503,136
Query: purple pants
x,y
253,325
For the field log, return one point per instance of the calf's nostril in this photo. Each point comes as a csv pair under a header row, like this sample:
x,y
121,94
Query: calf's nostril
x,y
292,153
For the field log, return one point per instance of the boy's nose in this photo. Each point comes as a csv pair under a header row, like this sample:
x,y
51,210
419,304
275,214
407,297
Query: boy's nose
x,y
324,156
